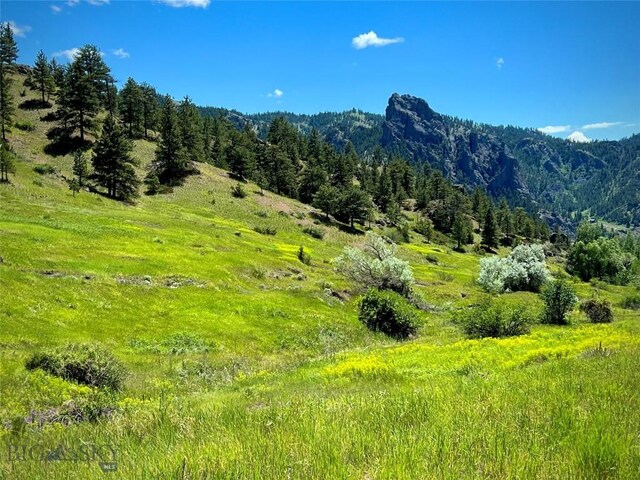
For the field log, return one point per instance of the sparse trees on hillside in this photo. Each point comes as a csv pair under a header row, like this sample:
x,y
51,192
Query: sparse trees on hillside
x,y
191,128
80,168
7,164
113,166
150,107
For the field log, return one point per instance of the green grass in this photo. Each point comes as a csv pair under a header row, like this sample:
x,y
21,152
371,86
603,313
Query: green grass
x,y
241,365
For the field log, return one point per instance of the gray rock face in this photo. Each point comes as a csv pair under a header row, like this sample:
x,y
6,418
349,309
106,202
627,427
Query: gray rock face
x,y
465,154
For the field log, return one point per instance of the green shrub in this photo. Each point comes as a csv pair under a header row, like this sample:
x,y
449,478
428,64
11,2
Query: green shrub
x,y
559,299
303,256
44,169
265,230
88,364
238,192
25,126
424,227
631,302
389,313
314,232
493,319
597,311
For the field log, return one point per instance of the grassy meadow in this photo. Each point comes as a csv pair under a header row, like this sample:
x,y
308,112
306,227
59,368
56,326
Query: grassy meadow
x,y
243,362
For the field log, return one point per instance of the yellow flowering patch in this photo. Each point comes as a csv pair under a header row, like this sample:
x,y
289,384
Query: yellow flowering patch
x,y
367,367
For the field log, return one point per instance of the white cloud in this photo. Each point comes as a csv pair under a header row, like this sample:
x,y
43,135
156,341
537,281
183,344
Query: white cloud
x,y
73,3
69,54
121,53
19,30
593,126
56,9
372,39
98,3
277,93
554,129
186,3
499,63
578,137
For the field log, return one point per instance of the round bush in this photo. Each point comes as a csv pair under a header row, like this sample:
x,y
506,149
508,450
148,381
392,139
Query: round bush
x,y
389,313
597,311
87,364
493,319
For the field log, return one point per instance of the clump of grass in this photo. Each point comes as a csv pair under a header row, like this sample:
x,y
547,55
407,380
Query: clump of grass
x,y
87,364
315,232
25,126
266,230
45,169
303,256
237,191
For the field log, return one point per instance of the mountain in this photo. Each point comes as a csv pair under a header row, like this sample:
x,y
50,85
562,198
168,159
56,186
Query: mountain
x,y
600,178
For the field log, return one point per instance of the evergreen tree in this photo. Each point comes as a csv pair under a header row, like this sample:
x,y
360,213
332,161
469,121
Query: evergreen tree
x,y
149,108
57,73
354,205
41,77
7,164
490,230
280,172
461,230
74,186
220,133
505,218
8,56
384,193
313,177
343,169
191,130
241,154
171,164
80,168
87,88
326,199
132,108
113,166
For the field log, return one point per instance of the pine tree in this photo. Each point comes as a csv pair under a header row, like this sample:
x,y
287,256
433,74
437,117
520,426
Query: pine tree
x,y
8,56
280,171
241,155
41,76
191,130
313,177
131,107
326,199
74,186
171,164
8,45
384,193
490,230
113,166
354,205
7,164
80,167
149,108
57,72
87,88
461,229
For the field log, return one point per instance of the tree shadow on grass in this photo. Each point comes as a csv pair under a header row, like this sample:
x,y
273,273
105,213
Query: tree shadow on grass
x,y
34,104
62,144
330,222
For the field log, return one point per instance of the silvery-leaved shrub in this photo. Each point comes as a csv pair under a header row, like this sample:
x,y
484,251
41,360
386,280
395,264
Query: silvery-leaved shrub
x,y
376,266
524,269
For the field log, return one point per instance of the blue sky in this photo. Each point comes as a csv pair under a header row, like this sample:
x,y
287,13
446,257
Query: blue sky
x,y
573,67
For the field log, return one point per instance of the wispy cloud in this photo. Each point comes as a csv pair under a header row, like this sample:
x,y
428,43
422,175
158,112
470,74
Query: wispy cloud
x,y
55,8
555,129
18,30
277,93
98,3
578,137
186,3
594,126
500,63
121,53
372,39
69,54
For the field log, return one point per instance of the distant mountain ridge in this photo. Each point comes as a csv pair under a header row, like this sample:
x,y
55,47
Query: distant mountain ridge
x,y
522,164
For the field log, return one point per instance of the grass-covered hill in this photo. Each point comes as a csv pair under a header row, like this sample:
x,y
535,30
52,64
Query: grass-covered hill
x,y
244,362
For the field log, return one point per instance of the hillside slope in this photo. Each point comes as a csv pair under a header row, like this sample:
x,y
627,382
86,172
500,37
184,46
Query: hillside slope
x,y
246,363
